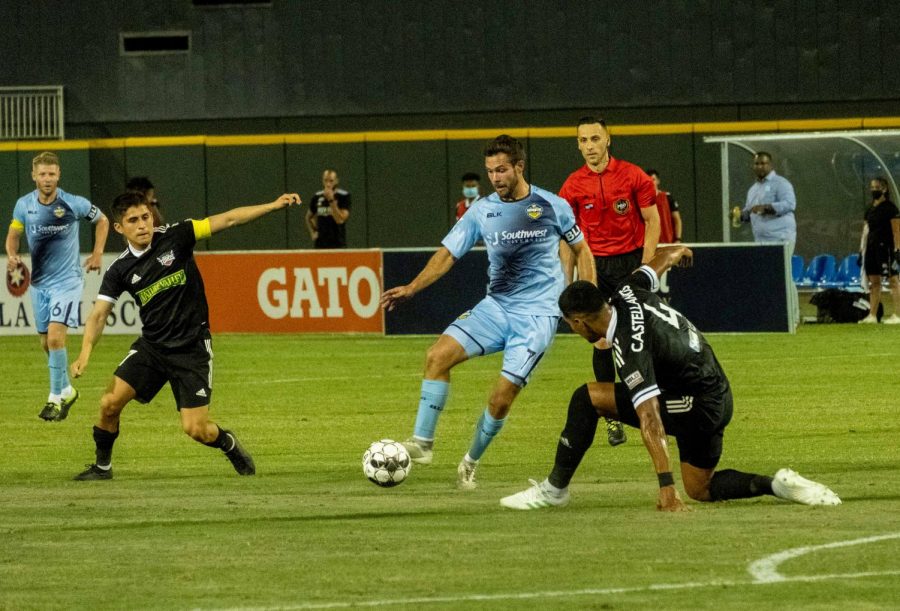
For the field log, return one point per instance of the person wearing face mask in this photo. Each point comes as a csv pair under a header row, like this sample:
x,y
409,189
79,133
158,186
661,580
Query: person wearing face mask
x,y
880,249
470,181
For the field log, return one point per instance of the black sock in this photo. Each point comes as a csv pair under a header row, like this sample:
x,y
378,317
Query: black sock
x,y
604,369
222,441
731,484
104,441
576,437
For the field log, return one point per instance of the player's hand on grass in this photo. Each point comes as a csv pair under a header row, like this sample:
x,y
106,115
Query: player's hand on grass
x,y
391,298
669,500
93,263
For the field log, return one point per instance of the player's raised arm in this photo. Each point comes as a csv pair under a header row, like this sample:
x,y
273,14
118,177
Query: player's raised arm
x,y
654,436
93,329
245,214
439,264
667,257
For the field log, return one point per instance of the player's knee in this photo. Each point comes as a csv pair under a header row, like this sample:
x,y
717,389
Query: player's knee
x,y
110,406
194,430
438,359
697,491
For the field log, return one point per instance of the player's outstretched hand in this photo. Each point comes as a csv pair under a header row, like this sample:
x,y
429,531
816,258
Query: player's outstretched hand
x,y
93,263
391,298
669,500
77,368
287,200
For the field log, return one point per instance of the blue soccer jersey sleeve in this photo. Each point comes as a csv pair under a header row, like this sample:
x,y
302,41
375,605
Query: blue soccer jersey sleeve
x,y
465,233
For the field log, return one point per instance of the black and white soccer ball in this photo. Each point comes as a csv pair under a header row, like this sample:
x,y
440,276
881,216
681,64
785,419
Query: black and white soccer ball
x,y
386,463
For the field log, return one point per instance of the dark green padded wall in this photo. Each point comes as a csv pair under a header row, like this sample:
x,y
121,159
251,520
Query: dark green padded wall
x,y
243,175
107,181
463,156
9,186
407,192
304,165
178,174
551,160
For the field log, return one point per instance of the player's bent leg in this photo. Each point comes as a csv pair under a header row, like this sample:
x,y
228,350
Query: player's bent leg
x,y
196,424
488,426
106,431
578,434
605,371
696,481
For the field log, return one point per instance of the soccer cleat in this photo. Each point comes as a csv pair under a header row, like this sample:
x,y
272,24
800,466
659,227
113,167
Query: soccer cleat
x,y
50,412
868,320
465,475
788,485
417,451
239,457
93,473
893,319
536,497
615,432
64,407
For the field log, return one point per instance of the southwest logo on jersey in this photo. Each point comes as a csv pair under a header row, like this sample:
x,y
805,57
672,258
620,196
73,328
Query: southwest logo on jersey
x,y
621,206
166,259
59,212
534,212
176,279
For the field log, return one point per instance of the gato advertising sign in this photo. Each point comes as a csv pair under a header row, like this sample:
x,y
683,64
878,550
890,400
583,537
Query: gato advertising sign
x,y
322,291
17,314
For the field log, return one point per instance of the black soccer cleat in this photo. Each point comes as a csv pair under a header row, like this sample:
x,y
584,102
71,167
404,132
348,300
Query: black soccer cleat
x,y
65,406
615,432
50,412
93,473
239,457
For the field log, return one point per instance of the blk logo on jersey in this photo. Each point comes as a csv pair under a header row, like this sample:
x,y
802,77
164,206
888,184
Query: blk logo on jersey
x,y
166,259
621,206
534,212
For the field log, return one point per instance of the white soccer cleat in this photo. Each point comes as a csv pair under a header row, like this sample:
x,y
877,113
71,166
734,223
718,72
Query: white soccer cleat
x,y
465,475
788,485
417,451
535,497
868,320
893,319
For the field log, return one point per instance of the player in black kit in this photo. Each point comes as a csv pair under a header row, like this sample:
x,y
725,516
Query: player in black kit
x,y
671,384
158,270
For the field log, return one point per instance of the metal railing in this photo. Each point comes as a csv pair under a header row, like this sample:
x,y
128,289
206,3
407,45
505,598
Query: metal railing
x,y
32,113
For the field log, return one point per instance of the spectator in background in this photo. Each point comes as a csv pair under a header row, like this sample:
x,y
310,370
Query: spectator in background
x,y
615,205
669,216
880,246
142,185
470,183
770,209
328,212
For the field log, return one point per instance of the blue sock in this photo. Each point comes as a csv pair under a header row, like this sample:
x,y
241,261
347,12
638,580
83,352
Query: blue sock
x,y
59,377
431,404
485,431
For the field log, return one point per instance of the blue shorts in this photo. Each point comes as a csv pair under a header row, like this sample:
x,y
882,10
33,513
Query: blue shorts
x,y
487,328
58,304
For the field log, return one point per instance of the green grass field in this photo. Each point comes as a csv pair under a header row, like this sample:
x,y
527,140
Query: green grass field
x,y
177,528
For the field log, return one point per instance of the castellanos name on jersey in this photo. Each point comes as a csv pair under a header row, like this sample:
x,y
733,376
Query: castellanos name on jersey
x,y
522,241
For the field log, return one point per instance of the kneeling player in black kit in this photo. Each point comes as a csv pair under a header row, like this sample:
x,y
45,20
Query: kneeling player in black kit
x,y
175,345
671,384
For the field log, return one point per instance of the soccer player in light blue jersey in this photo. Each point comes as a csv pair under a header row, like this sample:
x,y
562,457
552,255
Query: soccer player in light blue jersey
x,y
49,217
523,228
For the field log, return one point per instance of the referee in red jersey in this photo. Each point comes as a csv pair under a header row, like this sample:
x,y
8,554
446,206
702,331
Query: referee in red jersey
x,y
615,205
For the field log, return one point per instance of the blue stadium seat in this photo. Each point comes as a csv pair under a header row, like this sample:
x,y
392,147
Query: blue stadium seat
x,y
842,278
797,268
852,273
821,269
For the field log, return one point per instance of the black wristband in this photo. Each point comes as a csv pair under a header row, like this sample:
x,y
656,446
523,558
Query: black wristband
x,y
665,479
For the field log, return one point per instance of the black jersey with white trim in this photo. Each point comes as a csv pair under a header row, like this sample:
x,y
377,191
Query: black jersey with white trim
x,y
166,285
655,348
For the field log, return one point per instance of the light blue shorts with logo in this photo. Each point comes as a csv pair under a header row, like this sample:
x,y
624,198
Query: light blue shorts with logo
x,y
488,328
57,304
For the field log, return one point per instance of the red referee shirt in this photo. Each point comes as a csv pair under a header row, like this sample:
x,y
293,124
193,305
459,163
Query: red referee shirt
x,y
607,205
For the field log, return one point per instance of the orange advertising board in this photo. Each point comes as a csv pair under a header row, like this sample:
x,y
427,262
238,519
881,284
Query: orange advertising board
x,y
293,292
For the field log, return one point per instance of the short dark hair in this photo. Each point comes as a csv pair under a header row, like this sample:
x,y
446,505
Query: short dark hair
x,y
470,176
508,145
123,202
765,154
590,120
581,297
651,172
139,183
881,180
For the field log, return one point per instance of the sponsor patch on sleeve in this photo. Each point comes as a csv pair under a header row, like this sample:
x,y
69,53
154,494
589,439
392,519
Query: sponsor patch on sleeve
x,y
572,234
93,213
633,380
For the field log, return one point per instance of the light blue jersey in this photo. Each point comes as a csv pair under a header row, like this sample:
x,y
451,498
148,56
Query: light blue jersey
x,y
52,232
522,241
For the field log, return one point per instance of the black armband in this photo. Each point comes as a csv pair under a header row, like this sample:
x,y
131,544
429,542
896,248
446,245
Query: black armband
x,y
665,479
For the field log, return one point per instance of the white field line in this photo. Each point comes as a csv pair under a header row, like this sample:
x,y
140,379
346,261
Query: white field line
x,y
765,570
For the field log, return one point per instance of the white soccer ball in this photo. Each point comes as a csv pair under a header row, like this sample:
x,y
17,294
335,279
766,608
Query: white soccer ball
x,y
386,463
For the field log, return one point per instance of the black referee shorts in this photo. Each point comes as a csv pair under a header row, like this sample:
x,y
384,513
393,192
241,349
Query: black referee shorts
x,y
614,269
188,370
879,261
697,423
